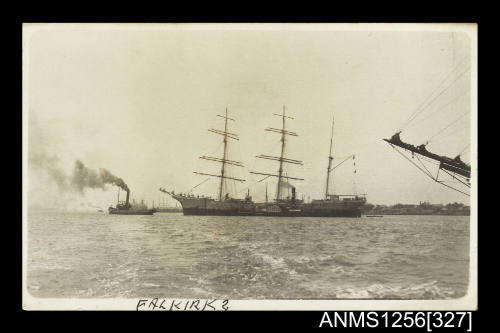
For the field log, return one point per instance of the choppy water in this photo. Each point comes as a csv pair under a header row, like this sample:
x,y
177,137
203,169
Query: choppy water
x,y
171,255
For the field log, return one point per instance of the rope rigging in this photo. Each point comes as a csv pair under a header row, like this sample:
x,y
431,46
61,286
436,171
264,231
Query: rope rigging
x,y
455,168
427,172
450,134
435,98
445,106
463,150
448,126
198,185
251,185
426,103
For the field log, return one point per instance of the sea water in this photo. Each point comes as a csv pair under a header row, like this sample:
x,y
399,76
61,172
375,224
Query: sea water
x,y
170,255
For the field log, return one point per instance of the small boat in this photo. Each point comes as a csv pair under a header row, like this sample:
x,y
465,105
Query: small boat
x,y
374,215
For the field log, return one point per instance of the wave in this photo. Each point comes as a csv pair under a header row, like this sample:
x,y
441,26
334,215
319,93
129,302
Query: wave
x,y
428,290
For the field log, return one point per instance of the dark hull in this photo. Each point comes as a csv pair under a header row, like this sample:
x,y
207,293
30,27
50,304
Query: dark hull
x,y
132,212
332,213
161,210
219,212
214,212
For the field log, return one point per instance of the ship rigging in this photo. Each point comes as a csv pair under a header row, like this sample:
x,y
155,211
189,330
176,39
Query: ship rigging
x,y
281,159
332,206
452,173
224,160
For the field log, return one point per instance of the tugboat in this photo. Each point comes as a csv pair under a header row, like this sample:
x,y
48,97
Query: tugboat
x,y
124,207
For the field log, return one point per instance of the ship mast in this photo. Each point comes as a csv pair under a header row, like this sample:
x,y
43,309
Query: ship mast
x,y
281,159
330,159
280,172
266,193
224,160
224,155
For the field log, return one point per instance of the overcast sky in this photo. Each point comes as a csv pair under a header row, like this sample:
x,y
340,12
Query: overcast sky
x,y
139,103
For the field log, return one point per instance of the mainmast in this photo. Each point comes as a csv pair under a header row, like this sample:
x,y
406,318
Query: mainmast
x,y
224,160
330,159
224,156
280,172
281,159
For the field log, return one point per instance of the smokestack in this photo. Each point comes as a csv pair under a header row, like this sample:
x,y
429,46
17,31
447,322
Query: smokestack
x,y
293,194
128,194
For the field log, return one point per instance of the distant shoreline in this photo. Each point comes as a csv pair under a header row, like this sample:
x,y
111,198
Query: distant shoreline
x,y
377,214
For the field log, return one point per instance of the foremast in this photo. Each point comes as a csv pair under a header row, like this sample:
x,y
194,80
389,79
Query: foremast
x,y
282,159
224,160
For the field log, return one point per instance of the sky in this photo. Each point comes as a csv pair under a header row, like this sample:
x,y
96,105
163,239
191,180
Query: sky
x,y
139,102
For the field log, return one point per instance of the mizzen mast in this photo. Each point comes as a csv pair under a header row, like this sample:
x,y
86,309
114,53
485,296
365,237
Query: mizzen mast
x,y
281,159
330,159
224,160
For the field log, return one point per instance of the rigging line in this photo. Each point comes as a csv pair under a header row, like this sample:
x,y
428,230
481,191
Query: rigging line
x,y
458,179
432,100
451,133
456,182
453,188
437,87
423,165
348,158
464,93
198,185
445,128
427,174
248,187
462,151
435,98
413,163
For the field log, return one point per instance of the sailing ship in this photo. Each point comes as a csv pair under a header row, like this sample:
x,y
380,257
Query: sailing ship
x,y
333,205
224,204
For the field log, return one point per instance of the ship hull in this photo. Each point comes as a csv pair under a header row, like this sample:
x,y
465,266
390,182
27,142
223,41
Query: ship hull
x,y
219,212
210,207
207,206
215,212
330,213
167,210
115,211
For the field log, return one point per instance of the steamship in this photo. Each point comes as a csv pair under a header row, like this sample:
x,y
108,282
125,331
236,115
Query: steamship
x,y
125,208
333,205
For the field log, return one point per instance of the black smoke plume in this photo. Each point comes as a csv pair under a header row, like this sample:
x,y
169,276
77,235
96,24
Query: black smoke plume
x,y
81,178
84,177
